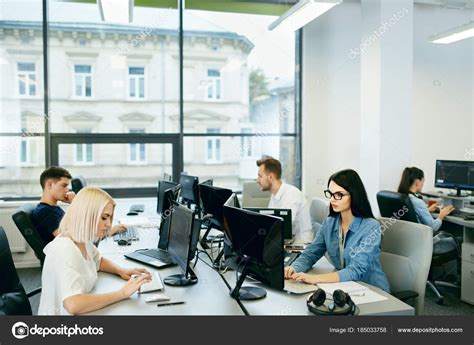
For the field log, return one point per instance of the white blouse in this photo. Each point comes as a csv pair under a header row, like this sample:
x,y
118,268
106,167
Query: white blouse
x,y
66,273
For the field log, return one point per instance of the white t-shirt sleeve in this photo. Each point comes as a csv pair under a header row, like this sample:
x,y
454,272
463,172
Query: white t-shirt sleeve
x,y
70,280
95,256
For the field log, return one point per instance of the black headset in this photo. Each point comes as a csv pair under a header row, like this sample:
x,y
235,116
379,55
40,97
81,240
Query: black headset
x,y
342,304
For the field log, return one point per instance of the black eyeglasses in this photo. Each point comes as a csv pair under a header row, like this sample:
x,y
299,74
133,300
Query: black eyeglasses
x,y
336,196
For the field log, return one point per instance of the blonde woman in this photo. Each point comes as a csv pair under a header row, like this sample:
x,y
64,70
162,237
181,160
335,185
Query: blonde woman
x,y
72,261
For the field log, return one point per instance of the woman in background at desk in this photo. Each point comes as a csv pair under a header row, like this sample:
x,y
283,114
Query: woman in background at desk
x,y
72,261
350,235
411,184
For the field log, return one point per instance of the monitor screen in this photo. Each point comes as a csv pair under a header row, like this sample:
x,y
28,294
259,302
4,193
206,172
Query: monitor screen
x,y
169,196
454,174
257,239
181,228
284,214
213,199
189,188
162,187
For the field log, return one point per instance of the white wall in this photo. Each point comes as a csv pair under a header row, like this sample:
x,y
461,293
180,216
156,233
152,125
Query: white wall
x,y
331,96
440,110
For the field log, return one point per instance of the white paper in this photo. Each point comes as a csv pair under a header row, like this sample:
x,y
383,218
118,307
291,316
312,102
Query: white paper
x,y
134,220
360,294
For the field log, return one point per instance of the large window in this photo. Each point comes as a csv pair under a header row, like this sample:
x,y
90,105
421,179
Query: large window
x,y
121,83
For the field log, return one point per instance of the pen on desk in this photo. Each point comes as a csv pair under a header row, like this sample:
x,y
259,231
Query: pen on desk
x,y
169,303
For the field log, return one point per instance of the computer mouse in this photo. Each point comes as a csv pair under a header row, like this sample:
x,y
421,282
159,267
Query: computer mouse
x,y
132,213
123,242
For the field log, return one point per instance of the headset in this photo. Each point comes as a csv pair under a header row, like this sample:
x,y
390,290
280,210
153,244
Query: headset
x,y
342,304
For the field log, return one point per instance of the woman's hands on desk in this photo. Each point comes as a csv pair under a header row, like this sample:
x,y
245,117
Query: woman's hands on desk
x,y
134,284
445,211
127,273
289,273
117,228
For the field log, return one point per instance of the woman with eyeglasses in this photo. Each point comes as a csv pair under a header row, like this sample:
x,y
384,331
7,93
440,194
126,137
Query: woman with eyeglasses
x,y
350,235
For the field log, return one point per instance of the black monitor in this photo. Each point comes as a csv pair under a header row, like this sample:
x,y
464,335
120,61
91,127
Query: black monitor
x,y
284,214
213,199
180,245
257,239
233,201
189,189
162,187
208,182
457,175
169,196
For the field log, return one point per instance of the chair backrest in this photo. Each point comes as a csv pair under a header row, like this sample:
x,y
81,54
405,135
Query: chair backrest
x,y
318,211
22,219
396,204
77,183
406,253
252,196
13,299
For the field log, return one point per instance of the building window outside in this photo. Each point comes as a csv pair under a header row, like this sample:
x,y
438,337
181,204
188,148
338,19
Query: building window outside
x,y
83,153
136,82
213,146
214,84
26,74
82,81
137,152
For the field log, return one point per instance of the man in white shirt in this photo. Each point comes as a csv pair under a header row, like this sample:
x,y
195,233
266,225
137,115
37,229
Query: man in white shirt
x,y
285,196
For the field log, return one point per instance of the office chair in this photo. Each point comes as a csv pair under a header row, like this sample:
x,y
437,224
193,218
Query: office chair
x,y
407,249
77,183
446,246
22,219
13,298
318,211
252,196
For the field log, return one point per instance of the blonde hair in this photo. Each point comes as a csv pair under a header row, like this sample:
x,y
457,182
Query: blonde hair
x,y
81,220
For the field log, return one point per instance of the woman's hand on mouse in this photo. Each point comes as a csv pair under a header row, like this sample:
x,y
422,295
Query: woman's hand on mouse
x,y
134,284
126,273
117,228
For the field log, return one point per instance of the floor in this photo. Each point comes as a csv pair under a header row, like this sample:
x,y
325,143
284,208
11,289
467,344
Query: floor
x,y
31,278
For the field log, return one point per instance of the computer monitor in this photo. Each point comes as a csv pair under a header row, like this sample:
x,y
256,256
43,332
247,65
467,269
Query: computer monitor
x,y
213,199
189,189
169,196
458,175
257,239
284,214
167,177
180,245
233,201
162,187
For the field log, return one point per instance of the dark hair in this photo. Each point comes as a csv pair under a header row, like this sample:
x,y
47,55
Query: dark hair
x,y
53,173
271,165
409,176
350,181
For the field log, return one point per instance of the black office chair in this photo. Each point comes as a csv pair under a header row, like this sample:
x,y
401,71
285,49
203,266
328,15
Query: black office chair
x,y
77,183
22,220
446,246
13,298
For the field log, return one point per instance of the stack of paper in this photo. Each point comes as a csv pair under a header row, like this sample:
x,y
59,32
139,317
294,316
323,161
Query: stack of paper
x,y
360,294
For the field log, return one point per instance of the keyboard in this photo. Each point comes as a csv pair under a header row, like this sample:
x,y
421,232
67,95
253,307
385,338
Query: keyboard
x,y
298,287
461,214
154,285
158,254
132,234
290,257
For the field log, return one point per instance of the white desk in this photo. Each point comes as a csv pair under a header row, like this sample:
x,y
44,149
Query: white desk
x,y
282,303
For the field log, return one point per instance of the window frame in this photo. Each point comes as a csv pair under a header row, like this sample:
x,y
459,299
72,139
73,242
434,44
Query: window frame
x,y
84,75
27,83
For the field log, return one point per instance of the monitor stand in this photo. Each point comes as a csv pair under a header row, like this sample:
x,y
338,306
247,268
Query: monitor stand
x,y
246,293
458,194
182,279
